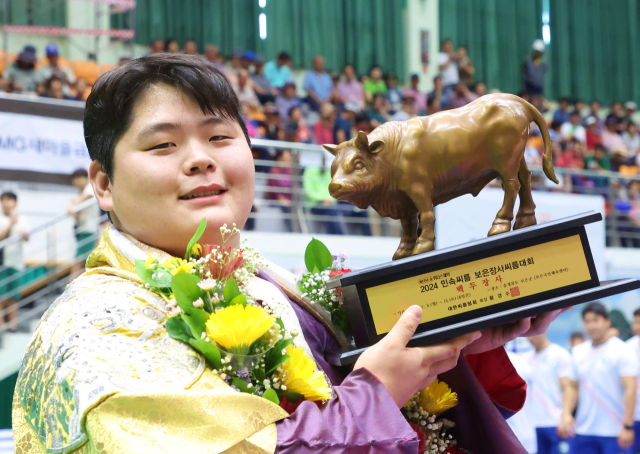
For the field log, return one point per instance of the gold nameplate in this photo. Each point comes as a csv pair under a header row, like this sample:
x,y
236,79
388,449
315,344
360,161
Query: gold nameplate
x,y
481,283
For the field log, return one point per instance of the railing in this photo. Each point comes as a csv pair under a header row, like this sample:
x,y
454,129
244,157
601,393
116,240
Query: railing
x,y
42,282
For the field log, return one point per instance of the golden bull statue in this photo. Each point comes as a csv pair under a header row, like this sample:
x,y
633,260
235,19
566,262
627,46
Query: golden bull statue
x,y
403,169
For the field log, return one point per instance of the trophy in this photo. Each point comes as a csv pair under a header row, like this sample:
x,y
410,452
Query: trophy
x,y
403,170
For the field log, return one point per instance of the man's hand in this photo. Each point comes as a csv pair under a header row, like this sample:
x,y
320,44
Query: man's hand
x,y
625,439
567,425
404,371
497,336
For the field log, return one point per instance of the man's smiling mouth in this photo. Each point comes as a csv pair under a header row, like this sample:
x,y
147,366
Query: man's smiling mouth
x,y
196,195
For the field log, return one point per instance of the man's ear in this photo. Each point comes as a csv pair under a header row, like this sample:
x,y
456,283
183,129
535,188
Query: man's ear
x,y
101,185
376,146
333,149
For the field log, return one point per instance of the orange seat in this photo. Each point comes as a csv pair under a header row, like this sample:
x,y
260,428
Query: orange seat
x,y
106,67
88,70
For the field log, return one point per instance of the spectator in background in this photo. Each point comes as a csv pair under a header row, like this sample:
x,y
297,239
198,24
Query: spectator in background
x,y
11,224
171,45
334,97
22,74
534,69
317,83
315,182
610,137
617,109
374,84
599,160
379,113
278,72
362,122
156,46
287,100
247,59
408,110
350,89
448,65
553,389
630,108
593,138
296,129
607,371
79,91
281,179
344,122
620,157
631,138
562,114
463,96
212,54
576,338
481,89
420,98
434,98
573,156
465,67
123,60
244,89
190,48
579,107
54,89
86,221
272,123
394,96
233,66
323,128
594,112
573,128
265,92
54,69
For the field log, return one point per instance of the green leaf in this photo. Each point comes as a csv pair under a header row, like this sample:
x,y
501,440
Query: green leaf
x,y
178,329
340,320
231,290
279,360
196,237
271,395
274,357
243,386
209,351
317,255
240,299
162,279
259,375
186,291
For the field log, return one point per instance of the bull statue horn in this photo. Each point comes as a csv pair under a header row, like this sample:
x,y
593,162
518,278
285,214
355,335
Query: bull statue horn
x,y
333,149
362,141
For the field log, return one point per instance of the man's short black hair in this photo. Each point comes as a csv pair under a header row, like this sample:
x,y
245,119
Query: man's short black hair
x,y
574,112
9,195
577,335
79,173
595,308
283,56
636,313
107,115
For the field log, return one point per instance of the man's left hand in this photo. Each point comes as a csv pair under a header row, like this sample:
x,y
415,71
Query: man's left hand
x,y
625,439
497,336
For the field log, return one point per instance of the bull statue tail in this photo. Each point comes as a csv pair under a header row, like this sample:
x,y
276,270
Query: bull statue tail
x,y
547,157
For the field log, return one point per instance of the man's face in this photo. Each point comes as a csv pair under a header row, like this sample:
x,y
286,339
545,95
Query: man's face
x,y
447,47
171,152
575,120
563,105
8,205
349,73
414,82
80,183
596,326
53,61
190,48
481,89
318,63
595,107
157,46
376,73
211,52
635,326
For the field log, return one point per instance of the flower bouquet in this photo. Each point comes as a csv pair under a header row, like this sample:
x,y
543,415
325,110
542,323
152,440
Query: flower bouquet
x,y
245,343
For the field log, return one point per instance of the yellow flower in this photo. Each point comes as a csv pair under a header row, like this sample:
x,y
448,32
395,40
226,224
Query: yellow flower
x,y
237,327
437,398
196,250
177,265
152,262
300,376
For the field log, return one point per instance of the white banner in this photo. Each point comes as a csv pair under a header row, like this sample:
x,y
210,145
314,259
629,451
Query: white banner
x,y
469,218
41,144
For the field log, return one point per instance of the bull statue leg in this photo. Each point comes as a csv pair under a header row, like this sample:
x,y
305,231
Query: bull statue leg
x,y
527,212
427,238
502,222
409,237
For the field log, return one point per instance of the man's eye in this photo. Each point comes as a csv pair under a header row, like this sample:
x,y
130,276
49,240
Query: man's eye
x,y
217,138
359,166
163,145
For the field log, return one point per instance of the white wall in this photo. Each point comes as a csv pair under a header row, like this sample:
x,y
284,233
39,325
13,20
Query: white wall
x,y
421,15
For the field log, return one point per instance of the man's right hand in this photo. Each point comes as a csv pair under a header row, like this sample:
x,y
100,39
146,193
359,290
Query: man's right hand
x,y
566,428
404,371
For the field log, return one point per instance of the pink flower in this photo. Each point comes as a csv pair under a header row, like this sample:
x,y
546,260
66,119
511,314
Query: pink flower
x,y
217,267
421,436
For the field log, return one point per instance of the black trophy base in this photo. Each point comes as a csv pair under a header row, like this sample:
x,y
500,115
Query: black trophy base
x,y
605,289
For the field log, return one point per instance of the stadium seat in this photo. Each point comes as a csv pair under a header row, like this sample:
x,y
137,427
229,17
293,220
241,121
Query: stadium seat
x,y
86,69
106,67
